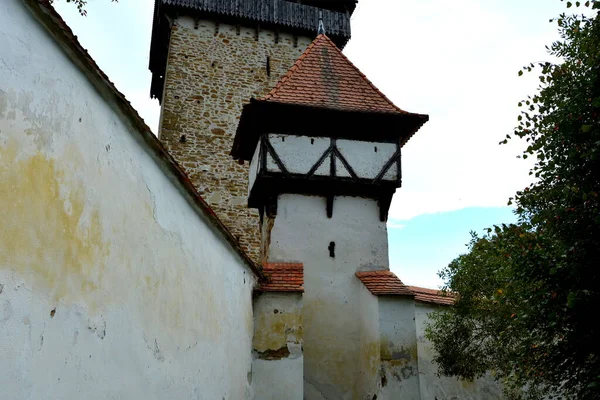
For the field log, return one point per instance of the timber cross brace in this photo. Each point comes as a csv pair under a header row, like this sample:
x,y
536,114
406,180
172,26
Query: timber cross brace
x,y
326,167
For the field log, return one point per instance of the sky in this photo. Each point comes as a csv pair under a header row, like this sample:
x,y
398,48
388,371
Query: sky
x,y
454,60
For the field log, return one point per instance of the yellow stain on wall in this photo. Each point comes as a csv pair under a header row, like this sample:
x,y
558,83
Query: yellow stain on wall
x,y
330,359
273,331
369,365
397,353
51,235
468,385
44,237
370,357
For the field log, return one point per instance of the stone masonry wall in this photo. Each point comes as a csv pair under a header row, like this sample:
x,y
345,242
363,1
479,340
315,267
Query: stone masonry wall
x,y
212,71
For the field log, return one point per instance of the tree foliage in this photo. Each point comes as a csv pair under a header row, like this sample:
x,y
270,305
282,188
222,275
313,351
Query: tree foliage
x,y
529,293
80,4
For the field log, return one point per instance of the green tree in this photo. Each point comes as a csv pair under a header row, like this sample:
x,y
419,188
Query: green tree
x,y
529,293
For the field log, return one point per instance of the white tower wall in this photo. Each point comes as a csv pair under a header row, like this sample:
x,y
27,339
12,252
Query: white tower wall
x,y
340,317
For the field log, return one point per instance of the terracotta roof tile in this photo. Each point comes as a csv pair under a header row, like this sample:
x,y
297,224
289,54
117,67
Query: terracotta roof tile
x,y
384,283
433,296
323,77
282,277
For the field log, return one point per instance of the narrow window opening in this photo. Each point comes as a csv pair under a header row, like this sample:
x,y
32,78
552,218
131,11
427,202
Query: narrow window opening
x,y
331,249
268,66
375,149
312,141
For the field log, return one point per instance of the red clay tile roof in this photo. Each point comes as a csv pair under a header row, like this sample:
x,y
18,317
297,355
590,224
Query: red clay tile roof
x,y
323,77
282,277
384,283
433,296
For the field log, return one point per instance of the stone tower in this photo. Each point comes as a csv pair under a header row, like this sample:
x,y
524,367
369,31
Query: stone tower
x,y
324,148
207,58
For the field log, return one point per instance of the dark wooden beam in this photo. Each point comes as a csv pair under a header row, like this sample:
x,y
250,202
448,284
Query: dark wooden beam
x,y
393,160
329,200
384,207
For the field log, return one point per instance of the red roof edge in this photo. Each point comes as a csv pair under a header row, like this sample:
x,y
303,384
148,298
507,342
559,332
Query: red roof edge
x,y
282,277
384,283
433,296
65,37
367,79
308,50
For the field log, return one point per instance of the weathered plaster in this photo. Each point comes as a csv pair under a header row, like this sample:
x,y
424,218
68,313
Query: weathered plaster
x,y
367,383
277,320
277,346
337,329
113,283
300,153
434,386
368,158
212,71
399,367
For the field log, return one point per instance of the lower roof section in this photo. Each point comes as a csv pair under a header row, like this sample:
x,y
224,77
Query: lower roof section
x,y
384,283
282,277
433,296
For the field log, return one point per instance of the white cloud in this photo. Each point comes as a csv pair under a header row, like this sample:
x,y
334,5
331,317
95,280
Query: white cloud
x,y
456,61
395,225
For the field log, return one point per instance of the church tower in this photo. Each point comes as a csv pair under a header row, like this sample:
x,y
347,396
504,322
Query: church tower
x,y
207,58
324,148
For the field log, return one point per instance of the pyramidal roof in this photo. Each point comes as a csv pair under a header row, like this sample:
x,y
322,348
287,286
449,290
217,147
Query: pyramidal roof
x,y
324,77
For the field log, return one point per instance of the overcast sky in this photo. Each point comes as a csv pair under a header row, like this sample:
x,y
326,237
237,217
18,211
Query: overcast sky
x,y
454,60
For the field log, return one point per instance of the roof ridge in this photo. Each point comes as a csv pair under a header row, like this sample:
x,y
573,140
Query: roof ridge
x,y
295,67
282,277
434,296
384,282
364,76
273,265
424,289
317,85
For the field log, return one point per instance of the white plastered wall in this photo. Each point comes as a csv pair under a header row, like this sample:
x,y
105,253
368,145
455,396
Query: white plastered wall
x,y
368,382
300,153
399,350
112,284
335,334
277,369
